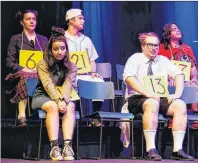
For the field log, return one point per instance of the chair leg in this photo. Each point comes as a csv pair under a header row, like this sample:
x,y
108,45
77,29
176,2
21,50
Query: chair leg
x,y
132,140
142,143
100,147
77,140
25,145
16,118
40,134
188,135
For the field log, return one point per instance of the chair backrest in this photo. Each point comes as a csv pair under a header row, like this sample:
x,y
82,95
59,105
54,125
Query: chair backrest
x,y
189,96
96,90
119,71
104,69
31,84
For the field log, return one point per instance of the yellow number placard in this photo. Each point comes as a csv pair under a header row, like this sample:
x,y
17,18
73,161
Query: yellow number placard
x,y
81,60
185,67
30,58
73,96
157,85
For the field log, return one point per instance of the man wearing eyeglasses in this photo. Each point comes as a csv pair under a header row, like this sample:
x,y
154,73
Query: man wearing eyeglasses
x,y
142,100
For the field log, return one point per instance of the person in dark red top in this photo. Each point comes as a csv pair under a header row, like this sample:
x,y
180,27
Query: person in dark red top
x,y
174,49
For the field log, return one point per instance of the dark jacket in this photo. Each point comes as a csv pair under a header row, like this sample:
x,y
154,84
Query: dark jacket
x,y
12,59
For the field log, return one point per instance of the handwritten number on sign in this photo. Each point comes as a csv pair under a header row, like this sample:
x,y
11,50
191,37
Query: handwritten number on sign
x,y
159,80
77,59
156,84
183,66
30,60
83,61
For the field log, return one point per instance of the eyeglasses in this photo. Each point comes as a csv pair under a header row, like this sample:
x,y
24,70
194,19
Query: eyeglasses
x,y
152,46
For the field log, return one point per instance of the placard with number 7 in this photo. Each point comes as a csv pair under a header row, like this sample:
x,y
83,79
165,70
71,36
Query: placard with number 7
x,y
185,67
157,85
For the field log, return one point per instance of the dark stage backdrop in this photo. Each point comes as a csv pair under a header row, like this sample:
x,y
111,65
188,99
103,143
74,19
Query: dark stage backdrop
x,y
50,14
112,26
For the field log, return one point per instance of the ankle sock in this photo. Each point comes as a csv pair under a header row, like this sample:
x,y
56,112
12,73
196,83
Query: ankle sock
x,y
67,141
54,143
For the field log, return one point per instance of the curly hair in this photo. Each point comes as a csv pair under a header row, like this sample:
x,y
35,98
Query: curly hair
x,y
166,35
54,66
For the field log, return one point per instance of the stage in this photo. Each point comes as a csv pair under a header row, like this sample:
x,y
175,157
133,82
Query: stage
x,y
5,160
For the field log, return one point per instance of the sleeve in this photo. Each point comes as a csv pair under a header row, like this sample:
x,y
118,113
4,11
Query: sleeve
x,y
172,69
46,81
12,52
130,68
93,55
69,82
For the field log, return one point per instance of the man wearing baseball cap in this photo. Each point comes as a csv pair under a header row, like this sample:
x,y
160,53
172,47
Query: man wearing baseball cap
x,y
78,42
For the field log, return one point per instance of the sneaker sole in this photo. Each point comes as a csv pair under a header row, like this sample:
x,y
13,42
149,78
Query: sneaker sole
x,y
56,159
153,159
177,158
68,158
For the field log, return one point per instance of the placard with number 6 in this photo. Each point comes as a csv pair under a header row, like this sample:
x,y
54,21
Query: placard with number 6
x,y
81,60
157,85
185,67
30,58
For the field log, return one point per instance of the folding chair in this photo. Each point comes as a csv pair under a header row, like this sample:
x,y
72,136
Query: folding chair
x,y
31,86
104,69
104,91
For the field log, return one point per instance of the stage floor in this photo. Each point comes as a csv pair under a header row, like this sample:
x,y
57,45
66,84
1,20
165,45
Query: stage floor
x,y
5,160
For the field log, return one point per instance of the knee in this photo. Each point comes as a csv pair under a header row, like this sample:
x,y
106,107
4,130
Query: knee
x,y
52,107
71,108
180,107
151,105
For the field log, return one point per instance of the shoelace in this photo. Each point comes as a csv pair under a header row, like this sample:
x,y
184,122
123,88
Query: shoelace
x,y
68,150
56,151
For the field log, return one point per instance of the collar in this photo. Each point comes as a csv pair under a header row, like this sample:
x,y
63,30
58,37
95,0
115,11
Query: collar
x,y
146,60
79,38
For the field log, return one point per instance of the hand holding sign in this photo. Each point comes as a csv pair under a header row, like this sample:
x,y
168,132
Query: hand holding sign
x,y
30,58
81,60
157,85
185,67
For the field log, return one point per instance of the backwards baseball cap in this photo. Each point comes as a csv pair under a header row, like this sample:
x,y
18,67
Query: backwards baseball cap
x,y
72,13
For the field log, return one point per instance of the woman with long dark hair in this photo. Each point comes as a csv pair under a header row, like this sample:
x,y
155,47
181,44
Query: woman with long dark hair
x,y
55,70
19,44
174,49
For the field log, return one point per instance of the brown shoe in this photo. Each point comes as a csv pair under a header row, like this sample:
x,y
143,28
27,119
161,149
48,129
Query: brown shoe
x,y
22,122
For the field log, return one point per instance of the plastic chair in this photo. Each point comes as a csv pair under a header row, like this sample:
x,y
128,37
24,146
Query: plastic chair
x,y
31,87
104,69
103,91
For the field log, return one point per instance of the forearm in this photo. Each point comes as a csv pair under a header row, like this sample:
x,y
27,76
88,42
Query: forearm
x,y
133,83
66,91
194,73
179,85
93,66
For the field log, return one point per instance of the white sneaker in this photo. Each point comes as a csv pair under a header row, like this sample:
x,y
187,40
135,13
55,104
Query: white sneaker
x,y
68,153
55,154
